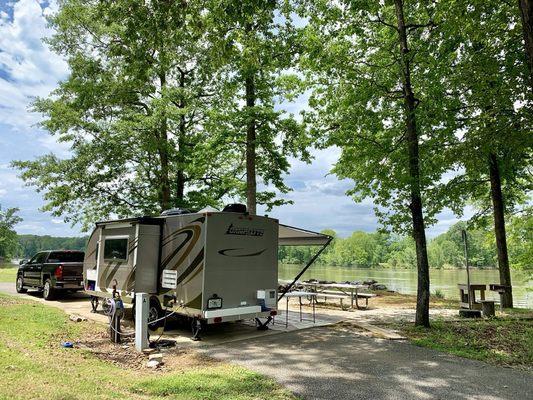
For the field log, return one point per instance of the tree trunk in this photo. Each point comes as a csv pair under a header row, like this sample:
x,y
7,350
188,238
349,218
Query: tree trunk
x,y
419,235
162,149
499,229
526,14
251,184
180,175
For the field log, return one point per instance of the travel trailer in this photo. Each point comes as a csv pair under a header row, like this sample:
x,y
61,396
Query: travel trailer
x,y
210,266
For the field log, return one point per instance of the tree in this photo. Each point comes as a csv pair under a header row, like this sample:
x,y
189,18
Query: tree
x,y
261,46
8,236
134,110
377,70
493,151
526,14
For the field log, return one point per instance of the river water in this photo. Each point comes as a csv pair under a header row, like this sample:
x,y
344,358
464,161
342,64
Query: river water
x,y
404,280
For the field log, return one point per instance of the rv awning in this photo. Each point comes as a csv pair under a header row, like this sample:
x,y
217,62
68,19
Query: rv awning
x,y
291,236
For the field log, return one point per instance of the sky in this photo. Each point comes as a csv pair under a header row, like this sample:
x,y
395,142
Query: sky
x,y
29,69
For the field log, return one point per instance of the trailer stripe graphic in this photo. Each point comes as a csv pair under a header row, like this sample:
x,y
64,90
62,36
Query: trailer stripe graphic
x,y
199,258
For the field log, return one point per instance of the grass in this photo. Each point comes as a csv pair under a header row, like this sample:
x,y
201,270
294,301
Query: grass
x,y
34,365
8,274
500,341
217,383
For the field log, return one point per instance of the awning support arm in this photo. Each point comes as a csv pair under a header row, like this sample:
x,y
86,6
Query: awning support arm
x,y
310,262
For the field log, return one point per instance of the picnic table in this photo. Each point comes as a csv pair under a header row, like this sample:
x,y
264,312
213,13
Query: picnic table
x,y
299,295
348,289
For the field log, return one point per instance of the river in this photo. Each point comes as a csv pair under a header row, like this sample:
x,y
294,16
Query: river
x,y
404,280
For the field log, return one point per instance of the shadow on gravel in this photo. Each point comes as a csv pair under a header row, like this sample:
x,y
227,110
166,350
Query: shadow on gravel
x,y
330,363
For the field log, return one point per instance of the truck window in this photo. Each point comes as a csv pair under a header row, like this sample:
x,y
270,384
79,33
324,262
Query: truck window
x,y
65,256
116,249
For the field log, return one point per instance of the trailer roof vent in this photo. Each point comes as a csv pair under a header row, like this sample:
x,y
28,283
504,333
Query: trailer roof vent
x,y
176,211
236,208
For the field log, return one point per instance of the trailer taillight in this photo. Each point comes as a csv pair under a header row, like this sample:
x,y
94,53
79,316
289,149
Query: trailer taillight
x,y
273,312
217,320
58,273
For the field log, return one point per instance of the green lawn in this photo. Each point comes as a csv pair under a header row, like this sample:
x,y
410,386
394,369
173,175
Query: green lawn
x,y
8,274
34,365
503,341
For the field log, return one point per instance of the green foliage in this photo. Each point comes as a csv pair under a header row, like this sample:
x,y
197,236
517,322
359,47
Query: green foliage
x,y
496,111
520,241
353,63
8,236
134,109
31,244
261,46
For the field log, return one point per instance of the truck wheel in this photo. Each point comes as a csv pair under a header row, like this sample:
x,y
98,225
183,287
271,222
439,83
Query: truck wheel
x,y
20,285
49,292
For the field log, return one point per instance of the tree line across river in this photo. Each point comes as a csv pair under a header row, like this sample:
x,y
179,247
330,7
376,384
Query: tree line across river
x,y
370,250
384,250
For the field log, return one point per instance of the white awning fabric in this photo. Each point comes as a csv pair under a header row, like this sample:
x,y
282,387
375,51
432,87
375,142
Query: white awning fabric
x,y
291,236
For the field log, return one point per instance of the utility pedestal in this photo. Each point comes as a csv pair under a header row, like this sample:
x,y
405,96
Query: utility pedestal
x,y
142,302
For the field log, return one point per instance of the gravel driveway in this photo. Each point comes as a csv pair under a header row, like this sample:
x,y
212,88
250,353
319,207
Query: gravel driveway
x,y
332,363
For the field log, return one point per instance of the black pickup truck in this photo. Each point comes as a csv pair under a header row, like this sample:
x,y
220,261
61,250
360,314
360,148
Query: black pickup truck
x,y
51,271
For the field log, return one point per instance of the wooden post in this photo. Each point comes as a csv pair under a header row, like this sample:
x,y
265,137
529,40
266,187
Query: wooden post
x,y
465,240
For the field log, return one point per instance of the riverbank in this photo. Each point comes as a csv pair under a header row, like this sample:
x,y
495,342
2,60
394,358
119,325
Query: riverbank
x,y
405,281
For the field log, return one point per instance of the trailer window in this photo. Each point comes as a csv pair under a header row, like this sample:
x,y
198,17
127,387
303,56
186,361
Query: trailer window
x,y
116,249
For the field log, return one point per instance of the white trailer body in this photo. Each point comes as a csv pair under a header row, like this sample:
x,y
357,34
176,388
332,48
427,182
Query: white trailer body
x,y
216,267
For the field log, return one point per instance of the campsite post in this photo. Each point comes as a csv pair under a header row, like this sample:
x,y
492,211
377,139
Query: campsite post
x,y
141,321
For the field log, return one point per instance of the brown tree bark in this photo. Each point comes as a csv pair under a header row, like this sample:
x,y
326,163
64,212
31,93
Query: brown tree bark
x,y
162,149
499,230
419,234
251,184
526,14
180,175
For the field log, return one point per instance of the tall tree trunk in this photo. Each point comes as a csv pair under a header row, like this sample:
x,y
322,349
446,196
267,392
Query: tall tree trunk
x,y
251,184
526,13
162,149
180,175
419,234
499,229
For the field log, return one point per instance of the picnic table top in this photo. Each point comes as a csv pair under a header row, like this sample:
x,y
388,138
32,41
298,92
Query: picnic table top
x,y
326,285
298,293
335,285
473,286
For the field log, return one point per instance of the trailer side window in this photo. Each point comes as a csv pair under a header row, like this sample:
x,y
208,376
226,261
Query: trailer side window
x,y
116,249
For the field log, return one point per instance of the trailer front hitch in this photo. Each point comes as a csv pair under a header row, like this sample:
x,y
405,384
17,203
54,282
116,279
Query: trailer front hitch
x,y
262,326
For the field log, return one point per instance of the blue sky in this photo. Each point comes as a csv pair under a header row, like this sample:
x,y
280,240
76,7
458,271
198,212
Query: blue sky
x,y
29,69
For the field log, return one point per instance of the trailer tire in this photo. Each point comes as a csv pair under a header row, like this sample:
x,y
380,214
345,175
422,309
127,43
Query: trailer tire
x,y
155,311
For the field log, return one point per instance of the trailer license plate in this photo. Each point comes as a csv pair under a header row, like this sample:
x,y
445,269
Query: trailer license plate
x,y
214,303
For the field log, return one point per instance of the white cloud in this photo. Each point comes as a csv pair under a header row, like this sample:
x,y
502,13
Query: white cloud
x,y
29,69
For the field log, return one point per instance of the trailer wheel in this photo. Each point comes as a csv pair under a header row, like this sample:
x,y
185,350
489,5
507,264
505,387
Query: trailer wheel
x,y
155,312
